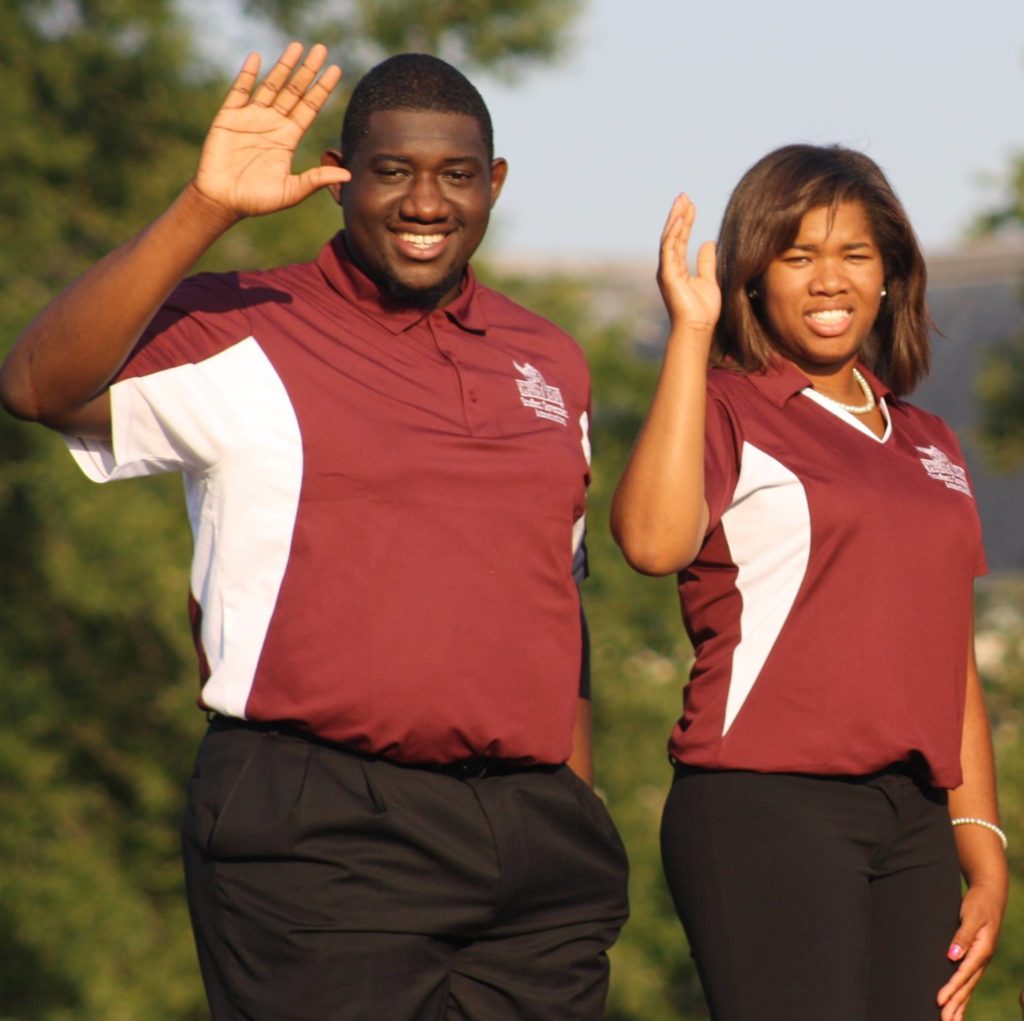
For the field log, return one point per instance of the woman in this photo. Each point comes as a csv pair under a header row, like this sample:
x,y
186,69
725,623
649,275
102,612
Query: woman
x,y
826,541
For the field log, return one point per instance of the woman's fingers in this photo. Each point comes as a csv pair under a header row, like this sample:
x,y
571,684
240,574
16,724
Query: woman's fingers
x,y
676,235
706,261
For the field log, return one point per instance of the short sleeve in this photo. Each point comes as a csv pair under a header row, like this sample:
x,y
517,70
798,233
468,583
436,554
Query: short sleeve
x,y
981,561
721,457
182,419
171,401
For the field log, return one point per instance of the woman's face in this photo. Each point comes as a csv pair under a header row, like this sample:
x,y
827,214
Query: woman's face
x,y
822,294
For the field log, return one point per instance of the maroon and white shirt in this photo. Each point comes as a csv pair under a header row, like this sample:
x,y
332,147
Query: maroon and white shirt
x,y
385,506
830,604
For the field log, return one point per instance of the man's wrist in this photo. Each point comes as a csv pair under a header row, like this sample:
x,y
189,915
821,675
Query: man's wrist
x,y
208,216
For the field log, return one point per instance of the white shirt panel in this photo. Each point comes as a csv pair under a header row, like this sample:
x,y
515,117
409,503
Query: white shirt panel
x,y
242,496
768,528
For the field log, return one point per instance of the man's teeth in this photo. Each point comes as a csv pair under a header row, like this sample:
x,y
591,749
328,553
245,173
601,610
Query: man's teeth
x,y
422,240
831,315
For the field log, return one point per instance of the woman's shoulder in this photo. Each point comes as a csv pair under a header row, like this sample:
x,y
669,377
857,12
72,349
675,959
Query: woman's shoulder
x,y
920,417
727,379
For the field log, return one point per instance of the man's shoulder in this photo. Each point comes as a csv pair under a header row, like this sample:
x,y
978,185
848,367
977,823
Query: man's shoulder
x,y
503,312
224,290
209,312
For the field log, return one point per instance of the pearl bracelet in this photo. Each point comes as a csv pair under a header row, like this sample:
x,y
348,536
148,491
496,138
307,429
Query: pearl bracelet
x,y
971,821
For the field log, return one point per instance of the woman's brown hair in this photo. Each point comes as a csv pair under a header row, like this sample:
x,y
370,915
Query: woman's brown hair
x,y
763,219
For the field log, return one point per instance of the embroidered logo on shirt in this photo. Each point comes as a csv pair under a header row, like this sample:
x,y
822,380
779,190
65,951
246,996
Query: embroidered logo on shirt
x,y
939,467
545,400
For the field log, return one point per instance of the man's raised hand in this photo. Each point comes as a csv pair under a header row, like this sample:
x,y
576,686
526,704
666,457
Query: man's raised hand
x,y
246,163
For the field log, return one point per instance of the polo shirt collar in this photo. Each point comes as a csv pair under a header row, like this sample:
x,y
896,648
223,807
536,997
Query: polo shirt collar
x,y
345,277
783,380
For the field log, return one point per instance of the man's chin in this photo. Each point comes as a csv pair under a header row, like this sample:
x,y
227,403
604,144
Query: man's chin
x,y
398,294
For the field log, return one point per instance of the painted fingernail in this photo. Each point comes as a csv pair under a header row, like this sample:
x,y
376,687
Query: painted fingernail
x,y
955,952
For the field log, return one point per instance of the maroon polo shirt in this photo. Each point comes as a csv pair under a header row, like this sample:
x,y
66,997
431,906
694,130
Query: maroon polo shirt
x,y
830,605
385,506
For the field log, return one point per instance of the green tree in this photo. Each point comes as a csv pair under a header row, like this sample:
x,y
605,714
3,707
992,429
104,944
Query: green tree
x,y
104,114
1008,210
1000,384
1000,647
1000,624
505,37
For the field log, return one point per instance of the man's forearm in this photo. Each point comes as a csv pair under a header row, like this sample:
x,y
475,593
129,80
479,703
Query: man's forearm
x,y
69,352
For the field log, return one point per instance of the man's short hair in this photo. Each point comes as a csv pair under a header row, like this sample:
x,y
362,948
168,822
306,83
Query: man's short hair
x,y
412,81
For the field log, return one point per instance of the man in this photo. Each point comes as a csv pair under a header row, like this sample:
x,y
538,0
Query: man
x,y
386,466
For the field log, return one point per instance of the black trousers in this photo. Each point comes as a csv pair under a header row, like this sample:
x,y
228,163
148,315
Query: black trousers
x,y
324,885
811,898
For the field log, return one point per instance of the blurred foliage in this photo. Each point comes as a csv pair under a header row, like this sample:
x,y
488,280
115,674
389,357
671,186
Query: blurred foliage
x,y
1000,649
505,36
1000,388
106,109
1000,384
1000,634
1008,210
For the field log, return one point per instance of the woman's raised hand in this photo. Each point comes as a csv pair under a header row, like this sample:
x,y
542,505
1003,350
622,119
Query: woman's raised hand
x,y
246,162
693,302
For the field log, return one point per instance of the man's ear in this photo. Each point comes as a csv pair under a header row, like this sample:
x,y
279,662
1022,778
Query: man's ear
x,y
332,158
499,171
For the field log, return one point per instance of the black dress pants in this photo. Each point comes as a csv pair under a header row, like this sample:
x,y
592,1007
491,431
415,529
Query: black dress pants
x,y
810,898
327,886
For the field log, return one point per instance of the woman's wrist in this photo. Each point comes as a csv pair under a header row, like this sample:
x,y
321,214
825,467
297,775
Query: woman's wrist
x,y
993,828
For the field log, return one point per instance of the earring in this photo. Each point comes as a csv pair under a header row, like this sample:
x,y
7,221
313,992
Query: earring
x,y
752,293
884,292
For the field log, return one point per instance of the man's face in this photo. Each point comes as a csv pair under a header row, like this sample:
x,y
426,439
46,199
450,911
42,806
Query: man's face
x,y
418,203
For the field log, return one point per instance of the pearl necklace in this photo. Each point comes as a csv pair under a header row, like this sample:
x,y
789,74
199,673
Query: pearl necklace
x,y
856,409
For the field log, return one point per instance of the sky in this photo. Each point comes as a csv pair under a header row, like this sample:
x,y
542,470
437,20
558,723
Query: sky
x,y
661,96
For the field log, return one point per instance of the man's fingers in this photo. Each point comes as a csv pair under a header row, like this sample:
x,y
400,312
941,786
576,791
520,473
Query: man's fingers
x,y
291,89
279,74
294,89
311,101
241,87
319,177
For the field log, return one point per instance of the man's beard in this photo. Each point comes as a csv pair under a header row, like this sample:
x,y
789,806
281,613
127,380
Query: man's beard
x,y
397,295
